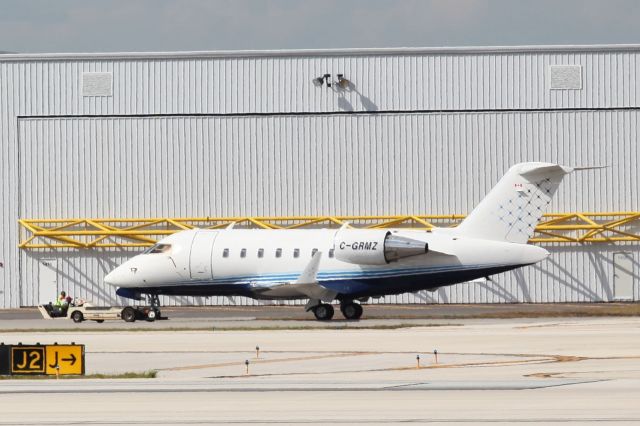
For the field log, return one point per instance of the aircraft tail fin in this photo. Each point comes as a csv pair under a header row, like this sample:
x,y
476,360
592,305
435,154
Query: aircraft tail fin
x,y
513,208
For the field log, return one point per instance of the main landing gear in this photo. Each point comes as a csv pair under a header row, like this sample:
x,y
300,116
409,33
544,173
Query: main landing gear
x,y
351,310
324,311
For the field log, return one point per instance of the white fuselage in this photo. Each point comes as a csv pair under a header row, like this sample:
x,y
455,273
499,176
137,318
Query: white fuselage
x,y
264,263
349,265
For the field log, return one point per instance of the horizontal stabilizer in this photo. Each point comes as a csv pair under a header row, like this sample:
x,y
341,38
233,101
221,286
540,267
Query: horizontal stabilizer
x,y
579,169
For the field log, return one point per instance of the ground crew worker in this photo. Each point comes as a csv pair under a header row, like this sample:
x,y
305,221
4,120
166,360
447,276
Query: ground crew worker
x,y
62,298
61,305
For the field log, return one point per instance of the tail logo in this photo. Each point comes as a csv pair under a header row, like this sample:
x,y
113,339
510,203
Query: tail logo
x,y
521,212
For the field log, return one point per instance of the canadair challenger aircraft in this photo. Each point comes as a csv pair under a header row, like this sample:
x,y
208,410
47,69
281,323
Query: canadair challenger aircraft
x,y
349,265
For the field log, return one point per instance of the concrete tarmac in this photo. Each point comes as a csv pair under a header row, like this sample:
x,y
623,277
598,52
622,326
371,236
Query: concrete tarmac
x,y
543,371
294,316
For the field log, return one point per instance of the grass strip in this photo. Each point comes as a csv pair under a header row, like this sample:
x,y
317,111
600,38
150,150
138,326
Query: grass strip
x,y
149,374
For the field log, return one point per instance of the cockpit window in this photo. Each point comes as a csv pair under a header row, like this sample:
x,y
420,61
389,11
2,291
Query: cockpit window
x,y
158,248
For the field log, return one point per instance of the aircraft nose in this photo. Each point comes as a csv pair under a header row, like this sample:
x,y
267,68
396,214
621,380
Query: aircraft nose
x,y
119,277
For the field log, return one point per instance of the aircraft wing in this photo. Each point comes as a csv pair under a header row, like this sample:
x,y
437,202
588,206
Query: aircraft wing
x,y
316,291
310,273
306,284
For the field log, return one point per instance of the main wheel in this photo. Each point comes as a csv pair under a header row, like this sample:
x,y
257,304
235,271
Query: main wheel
x,y
351,311
77,316
360,310
128,314
323,312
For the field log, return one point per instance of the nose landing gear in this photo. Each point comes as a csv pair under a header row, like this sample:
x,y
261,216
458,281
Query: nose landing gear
x,y
155,304
154,312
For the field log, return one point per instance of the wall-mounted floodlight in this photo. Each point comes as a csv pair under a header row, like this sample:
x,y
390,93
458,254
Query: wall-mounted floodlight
x,y
343,82
318,81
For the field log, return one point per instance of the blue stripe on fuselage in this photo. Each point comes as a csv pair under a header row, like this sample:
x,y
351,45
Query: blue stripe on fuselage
x,y
344,274
346,288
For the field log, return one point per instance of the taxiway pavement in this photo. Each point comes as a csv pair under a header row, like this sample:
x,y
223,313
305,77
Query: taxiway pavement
x,y
543,371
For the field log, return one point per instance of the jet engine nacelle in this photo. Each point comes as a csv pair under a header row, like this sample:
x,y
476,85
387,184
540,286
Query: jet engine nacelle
x,y
375,247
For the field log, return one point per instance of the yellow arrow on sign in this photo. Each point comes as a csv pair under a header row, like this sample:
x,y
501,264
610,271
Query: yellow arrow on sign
x,y
65,359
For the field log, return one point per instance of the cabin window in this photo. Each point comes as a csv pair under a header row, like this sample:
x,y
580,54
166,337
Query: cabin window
x,y
296,252
313,252
278,252
260,252
158,248
243,252
225,252
330,252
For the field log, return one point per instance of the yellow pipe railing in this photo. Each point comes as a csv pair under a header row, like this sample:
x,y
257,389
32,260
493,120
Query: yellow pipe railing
x,y
581,227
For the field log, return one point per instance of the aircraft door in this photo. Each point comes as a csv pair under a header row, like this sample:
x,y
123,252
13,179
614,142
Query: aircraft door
x,y
201,252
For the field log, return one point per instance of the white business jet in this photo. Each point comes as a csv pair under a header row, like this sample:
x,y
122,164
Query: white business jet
x,y
349,265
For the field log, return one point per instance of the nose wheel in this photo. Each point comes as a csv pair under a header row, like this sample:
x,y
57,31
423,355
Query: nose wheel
x,y
154,312
351,310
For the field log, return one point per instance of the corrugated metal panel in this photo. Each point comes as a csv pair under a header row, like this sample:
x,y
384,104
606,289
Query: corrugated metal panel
x,y
364,164
302,163
9,273
284,84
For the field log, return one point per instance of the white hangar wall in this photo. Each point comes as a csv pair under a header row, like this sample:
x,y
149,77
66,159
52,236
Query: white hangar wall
x,y
247,133
188,166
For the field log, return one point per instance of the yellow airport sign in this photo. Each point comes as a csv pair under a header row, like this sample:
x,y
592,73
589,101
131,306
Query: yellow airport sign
x,y
65,359
27,360
42,359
